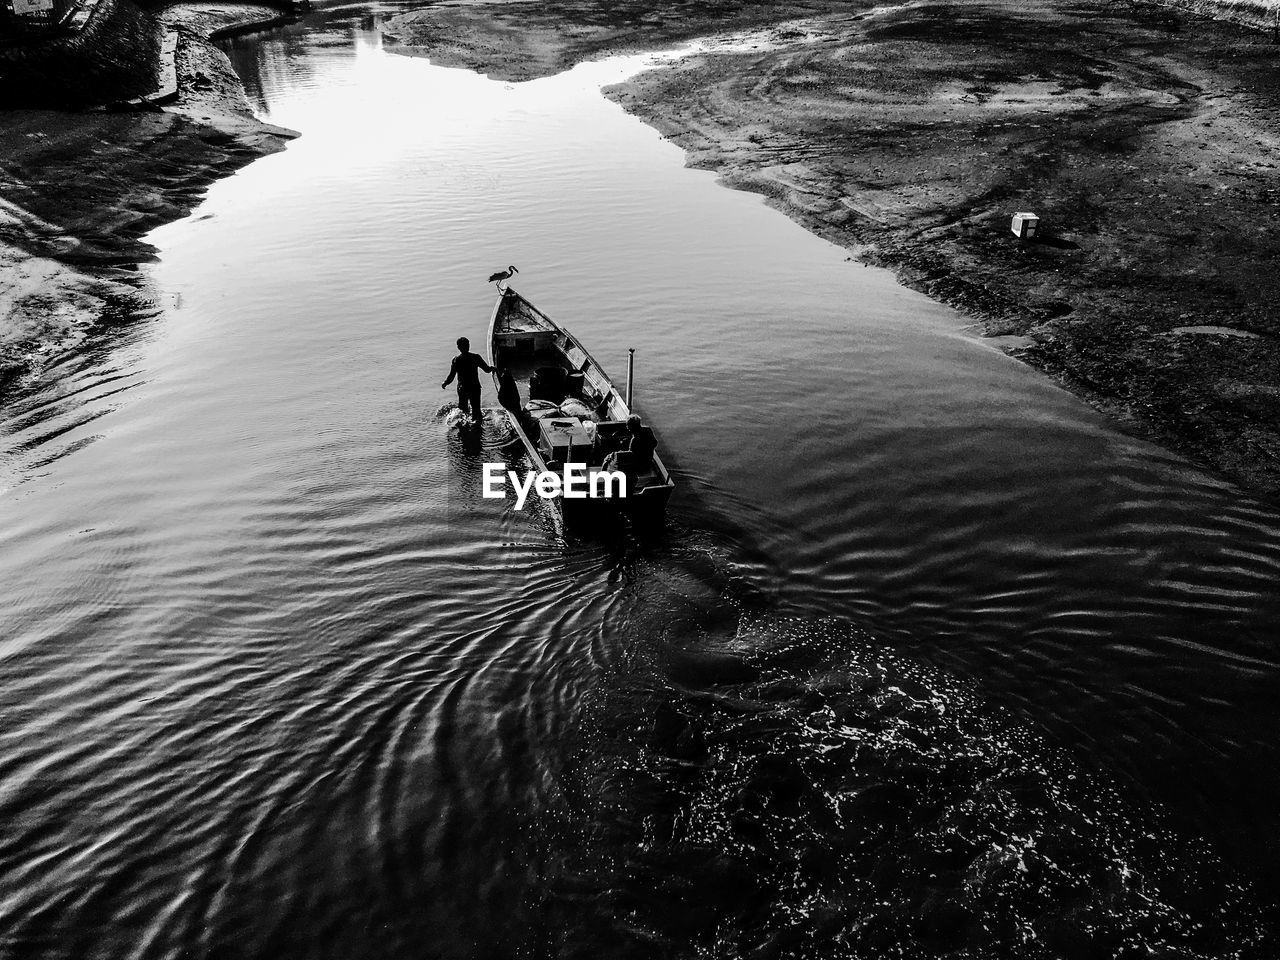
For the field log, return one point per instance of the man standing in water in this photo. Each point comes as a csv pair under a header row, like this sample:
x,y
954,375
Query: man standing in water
x,y
465,366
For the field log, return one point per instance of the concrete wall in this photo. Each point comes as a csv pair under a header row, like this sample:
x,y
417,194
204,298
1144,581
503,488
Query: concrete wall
x,y
113,57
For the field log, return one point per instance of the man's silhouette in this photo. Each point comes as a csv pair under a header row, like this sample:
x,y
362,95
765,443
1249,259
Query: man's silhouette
x,y
465,367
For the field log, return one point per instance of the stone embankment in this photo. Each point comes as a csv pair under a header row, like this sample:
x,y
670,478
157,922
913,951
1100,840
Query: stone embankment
x,y
112,56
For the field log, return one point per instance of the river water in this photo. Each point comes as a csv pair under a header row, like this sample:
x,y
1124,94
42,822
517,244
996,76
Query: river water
x,y
931,658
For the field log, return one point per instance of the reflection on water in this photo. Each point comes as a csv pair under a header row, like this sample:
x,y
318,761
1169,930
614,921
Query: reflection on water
x,y
278,681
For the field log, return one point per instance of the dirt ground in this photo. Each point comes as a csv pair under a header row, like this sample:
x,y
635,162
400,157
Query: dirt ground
x,y
1145,138
79,191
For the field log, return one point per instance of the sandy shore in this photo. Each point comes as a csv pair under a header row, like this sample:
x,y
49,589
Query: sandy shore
x,y
80,189
1144,138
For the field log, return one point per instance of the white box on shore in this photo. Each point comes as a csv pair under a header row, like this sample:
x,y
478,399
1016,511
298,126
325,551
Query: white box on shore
x,y
1024,225
25,8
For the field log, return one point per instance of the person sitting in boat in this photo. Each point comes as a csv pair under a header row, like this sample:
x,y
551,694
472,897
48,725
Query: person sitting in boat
x,y
639,452
643,443
508,392
466,366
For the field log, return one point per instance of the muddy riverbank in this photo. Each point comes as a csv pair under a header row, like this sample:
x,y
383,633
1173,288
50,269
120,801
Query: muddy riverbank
x,y
910,133
81,189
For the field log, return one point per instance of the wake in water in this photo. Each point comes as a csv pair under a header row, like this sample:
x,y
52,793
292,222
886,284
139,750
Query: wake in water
x,y
785,789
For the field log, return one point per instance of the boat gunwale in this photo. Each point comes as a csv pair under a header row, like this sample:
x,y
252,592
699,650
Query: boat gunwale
x,y
660,490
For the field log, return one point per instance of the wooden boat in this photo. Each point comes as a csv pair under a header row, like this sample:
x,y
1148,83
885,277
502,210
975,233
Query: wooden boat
x,y
568,410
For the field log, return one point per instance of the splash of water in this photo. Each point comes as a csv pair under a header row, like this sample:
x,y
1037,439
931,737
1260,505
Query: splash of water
x,y
453,417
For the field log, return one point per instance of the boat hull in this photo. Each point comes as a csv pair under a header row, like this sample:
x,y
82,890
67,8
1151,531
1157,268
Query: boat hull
x,y
534,349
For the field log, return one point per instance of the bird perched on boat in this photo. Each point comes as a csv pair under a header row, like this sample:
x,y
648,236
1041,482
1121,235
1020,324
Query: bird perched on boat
x,y
502,276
